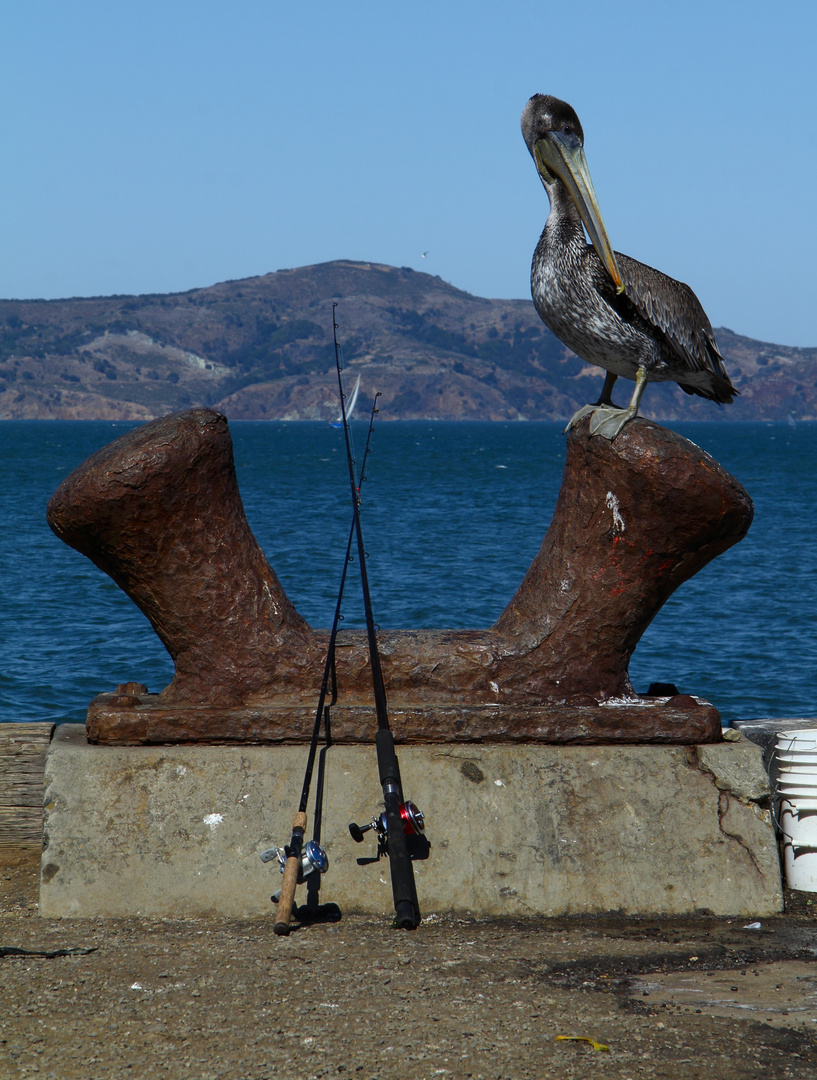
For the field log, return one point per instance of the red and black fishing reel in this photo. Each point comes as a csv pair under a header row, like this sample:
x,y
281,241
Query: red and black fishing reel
x,y
413,825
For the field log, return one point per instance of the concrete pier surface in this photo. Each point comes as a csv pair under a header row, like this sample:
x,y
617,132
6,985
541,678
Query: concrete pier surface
x,y
459,998
524,830
612,997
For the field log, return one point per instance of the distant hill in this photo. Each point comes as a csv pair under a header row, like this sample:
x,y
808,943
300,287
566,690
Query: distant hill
x,y
261,348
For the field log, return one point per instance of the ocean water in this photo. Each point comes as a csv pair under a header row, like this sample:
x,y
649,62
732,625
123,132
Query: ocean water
x,y
452,516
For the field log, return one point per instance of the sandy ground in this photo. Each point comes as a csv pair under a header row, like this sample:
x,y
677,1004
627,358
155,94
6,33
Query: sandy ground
x,y
208,999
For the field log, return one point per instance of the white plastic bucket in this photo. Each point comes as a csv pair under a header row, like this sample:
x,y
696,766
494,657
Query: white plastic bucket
x,y
800,753
797,794
799,776
798,824
796,783
796,757
801,739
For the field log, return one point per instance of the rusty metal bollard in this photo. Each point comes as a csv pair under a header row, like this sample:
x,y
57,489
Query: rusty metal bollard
x,y
159,511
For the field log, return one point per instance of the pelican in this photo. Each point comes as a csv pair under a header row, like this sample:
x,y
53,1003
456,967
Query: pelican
x,y
612,311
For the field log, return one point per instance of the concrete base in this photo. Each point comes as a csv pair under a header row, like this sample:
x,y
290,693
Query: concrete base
x,y
175,831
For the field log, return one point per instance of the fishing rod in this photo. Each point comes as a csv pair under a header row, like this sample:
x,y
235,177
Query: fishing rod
x,y
299,861
404,890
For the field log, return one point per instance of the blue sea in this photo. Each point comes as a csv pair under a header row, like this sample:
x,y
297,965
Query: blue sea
x,y
453,513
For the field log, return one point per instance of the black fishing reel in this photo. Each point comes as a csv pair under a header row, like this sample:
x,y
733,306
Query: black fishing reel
x,y
413,825
313,860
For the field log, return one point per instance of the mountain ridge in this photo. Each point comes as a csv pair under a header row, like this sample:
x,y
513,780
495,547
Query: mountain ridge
x,y
261,348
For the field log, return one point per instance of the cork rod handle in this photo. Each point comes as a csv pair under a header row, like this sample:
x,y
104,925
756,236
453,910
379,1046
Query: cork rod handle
x,y
286,902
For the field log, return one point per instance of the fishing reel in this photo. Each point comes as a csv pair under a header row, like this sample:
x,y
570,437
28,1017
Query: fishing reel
x,y
313,860
413,825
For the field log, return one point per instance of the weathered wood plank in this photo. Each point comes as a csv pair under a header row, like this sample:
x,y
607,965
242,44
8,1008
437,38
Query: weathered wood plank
x,y
22,761
23,787
24,739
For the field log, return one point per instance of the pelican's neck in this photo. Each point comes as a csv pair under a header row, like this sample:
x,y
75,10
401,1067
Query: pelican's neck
x,y
564,225
558,259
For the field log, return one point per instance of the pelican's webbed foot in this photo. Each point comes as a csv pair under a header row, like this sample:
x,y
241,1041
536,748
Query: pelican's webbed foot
x,y
585,410
608,420
605,420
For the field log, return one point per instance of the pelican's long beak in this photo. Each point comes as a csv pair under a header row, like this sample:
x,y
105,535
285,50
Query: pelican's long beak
x,y
564,156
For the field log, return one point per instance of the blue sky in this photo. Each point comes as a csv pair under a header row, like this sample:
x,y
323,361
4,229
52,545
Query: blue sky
x,y
156,147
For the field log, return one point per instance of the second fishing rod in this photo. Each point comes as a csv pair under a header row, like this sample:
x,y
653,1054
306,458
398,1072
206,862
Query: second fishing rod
x,y
299,862
404,890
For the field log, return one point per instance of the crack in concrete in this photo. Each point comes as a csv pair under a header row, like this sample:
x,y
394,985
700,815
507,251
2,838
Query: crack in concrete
x,y
723,810
725,784
726,793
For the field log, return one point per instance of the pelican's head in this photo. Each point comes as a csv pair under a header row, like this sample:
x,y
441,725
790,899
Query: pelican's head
x,y
554,136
